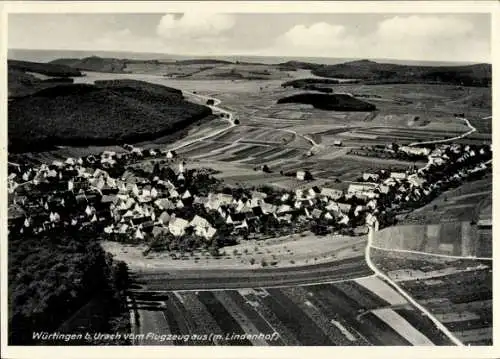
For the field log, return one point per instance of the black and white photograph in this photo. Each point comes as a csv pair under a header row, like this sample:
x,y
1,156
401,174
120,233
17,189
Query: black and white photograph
x,y
205,176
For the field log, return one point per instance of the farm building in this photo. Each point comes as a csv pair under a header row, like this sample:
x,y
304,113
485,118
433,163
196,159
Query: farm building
x,y
371,177
304,175
177,226
337,143
360,188
170,155
419,151
344,207
399,175
416,181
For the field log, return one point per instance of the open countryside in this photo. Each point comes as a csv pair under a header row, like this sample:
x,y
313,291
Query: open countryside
x,y
286,204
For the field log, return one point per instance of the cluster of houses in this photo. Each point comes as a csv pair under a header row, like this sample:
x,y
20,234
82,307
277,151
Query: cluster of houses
x,y
81,192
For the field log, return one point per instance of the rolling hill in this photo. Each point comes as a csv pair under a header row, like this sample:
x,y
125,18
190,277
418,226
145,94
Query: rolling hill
x,y
336,102
374,72
48,69
94,63
25,78
110,112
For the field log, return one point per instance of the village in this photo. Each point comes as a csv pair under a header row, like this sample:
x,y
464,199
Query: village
x,y
186,209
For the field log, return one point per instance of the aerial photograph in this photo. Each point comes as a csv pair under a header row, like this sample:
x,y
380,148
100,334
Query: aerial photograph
x,y
249,179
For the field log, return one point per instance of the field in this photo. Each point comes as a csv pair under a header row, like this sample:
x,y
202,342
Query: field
x,y
458,222
457,292
399,105
454,238
342,313
288,251
470,201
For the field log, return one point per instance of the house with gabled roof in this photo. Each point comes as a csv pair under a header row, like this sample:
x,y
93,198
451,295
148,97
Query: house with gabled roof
x,y
164,218
268,208
331,193
332,206
109,199
198,221
217,200
328,216
243,224
316,213
200,200
358,210
164,203
373,177
179,204
258,195
177,226
154,192
123,228
285,197
173,193
344,219
284,208
416,181
159,231
210,233
398,175
344,207
139,234
170,155
285,218
358,188
57,164
222,212
235,218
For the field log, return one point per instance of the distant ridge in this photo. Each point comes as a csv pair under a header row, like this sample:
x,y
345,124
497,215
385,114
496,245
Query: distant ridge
x,y
54,70
374,72
367,71
50,55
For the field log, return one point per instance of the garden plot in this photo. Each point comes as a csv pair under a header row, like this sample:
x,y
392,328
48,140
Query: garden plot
x,y
318,315
457,292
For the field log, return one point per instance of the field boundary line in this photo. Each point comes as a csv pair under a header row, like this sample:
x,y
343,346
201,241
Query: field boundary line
x,y
432,254
401,291
264,287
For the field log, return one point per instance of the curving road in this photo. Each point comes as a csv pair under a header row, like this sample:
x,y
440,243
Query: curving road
x,y
408,297
215,107
465,134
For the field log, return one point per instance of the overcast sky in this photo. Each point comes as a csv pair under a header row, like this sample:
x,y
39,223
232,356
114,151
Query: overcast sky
x,y
432,37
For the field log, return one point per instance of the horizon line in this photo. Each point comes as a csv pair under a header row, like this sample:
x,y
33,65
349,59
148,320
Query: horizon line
x,y
193,56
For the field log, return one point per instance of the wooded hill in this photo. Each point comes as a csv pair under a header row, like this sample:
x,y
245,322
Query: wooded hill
x,y
372,72
109,112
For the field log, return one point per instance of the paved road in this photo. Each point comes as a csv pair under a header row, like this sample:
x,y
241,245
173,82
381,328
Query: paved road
x,y
407,296
215,107
472,130
216,279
